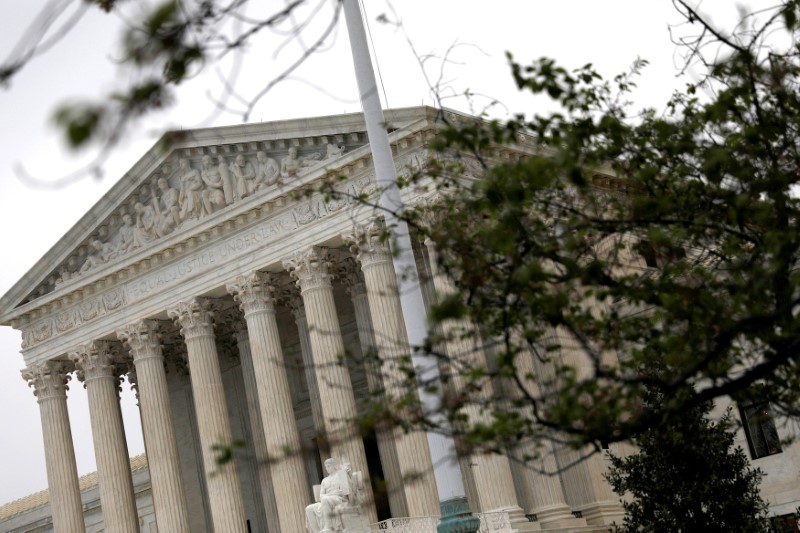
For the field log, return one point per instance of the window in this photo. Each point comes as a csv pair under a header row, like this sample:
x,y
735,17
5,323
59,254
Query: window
x,y
659,256
759,428
784,524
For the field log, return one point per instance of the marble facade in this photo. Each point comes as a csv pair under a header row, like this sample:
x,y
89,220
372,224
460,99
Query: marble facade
x,y
219,279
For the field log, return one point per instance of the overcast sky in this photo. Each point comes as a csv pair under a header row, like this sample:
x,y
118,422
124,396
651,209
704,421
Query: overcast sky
x,y
610,34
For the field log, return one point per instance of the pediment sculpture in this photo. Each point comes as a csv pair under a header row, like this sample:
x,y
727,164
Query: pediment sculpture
x,y
338,505
178,197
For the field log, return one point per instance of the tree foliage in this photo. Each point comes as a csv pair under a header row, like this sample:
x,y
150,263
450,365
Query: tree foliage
x,y
165,44
688,476
628,238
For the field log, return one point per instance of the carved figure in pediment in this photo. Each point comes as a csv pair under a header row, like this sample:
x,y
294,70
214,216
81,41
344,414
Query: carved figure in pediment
x,y
166,208
145,230
292,164
267,170
122,241
228,185
190,197
333,151
64,275
100,253
213,195
245,175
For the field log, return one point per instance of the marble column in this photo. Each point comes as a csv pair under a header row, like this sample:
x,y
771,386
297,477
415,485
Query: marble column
x,y
195,319
391,343
267,492
254,292
490,474
169,501
583,471
95,365
385,437
49,382
537,472
295,303
311,269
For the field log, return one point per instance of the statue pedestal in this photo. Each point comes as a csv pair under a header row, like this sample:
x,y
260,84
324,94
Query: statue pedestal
x,y
355,522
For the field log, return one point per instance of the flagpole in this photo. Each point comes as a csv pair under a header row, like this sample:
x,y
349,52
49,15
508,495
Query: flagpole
x,y
449,482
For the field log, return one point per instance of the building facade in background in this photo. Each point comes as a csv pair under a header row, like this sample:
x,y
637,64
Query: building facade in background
x,y
219,280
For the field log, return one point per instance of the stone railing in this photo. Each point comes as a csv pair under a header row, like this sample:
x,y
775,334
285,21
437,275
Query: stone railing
x,y
422,524
490,523
495,522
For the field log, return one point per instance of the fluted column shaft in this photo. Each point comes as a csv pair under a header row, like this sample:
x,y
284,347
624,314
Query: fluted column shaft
x,y
49,382
163,462
295,301
385,437
311,269
542,491
259,441
96,369
254,292
490,473
391,343
213,425
583,471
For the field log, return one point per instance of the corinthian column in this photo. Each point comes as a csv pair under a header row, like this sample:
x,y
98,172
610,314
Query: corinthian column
x,y
391,343
96,369
385,437
265,488
490,474
224,492
49,382
295,302
159,435
311,269
254,294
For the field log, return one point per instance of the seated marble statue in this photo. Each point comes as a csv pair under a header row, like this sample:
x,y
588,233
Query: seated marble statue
x,y
339,492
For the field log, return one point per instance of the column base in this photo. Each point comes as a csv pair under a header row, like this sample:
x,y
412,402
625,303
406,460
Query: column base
x,y
603,513
558,516
519,522
457,518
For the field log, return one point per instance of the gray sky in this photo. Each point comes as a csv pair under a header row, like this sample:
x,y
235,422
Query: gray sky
x,y
609,34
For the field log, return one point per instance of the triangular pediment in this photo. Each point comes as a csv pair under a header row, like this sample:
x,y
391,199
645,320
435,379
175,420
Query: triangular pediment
x,y
186,178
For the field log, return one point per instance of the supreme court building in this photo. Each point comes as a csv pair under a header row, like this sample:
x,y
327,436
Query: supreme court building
x,y
226,287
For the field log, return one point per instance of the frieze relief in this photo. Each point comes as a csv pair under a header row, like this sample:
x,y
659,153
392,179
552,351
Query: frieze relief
x,y
316,206
196,183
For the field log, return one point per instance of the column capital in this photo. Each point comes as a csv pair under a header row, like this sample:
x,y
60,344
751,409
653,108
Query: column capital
x,y
370,242
253,291
173,348
143,339
291,298
353,279
133,379
48,379
94,360
310,267
195,317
